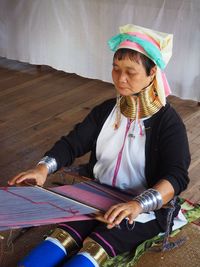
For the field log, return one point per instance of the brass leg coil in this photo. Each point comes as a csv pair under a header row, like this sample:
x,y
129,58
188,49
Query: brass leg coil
x,y
95,250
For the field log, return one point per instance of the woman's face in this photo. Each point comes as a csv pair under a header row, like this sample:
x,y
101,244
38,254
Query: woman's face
x,y
129,76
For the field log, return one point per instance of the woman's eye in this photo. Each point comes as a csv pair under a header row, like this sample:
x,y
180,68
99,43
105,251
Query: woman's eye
x,y
115,68
131,74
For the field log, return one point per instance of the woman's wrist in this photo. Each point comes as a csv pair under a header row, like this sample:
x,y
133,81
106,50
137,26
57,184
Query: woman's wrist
x,y
50,164
42,168
137,206
149,200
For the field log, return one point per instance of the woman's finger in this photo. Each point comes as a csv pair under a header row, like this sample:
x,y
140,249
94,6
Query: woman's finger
x,y
15,178
109,212
111,225
115,214
131,218
24,178
122,215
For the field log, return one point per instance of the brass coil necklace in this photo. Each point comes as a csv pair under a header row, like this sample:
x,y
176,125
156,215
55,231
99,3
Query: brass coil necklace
x,y
145,104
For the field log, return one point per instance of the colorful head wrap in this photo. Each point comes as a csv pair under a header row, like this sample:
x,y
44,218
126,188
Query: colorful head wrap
x,y
155,45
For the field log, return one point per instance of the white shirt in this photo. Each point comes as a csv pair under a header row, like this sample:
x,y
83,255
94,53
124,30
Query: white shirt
x,y
131,173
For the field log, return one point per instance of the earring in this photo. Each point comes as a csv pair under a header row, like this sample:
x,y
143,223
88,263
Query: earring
x,y
152,78
118,112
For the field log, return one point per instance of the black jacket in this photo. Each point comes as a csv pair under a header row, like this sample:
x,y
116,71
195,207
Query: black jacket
x,y
166,150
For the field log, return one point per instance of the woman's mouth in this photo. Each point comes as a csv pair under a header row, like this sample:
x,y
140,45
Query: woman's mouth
x,y
122,87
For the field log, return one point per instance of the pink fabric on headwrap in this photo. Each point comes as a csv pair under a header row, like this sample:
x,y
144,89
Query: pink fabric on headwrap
x,y
131,45
166,84
145,37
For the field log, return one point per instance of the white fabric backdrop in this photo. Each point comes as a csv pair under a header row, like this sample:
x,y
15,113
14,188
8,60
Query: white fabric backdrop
x,y
71,35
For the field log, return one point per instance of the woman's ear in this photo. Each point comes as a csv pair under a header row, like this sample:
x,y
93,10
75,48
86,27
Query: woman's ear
x,y
153,71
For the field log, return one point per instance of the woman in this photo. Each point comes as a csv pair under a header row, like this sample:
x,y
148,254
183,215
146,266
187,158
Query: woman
x,y
138,144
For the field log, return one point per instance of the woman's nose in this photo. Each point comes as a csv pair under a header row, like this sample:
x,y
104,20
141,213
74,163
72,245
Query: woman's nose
x,y
122,78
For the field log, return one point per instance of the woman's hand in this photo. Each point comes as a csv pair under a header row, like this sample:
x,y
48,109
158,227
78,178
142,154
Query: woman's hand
x,y
117,213
38,175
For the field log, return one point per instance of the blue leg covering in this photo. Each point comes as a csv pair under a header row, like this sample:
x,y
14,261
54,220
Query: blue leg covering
x,y
79,261
47,254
